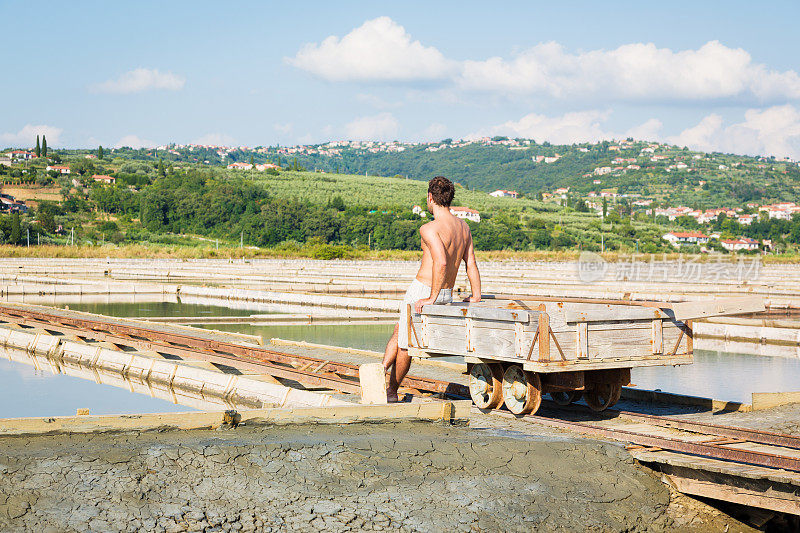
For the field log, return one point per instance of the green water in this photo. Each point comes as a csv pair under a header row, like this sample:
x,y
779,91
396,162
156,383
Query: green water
x,y
151,309
362,336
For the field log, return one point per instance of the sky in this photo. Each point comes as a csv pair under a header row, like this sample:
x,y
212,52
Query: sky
x,y
710,75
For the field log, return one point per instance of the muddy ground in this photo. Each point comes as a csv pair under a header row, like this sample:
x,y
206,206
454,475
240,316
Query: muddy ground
x,y
408,476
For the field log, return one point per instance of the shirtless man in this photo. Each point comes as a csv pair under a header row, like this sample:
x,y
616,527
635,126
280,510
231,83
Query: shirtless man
x,y
446,241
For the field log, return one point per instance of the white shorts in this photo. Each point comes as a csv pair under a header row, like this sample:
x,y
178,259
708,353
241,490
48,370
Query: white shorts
x,y
416,292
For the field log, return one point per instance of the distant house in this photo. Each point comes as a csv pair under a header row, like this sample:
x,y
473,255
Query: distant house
x,y
417,210
22,154
500,193
265,166
103,178
61,169
240,166
466,213
742,243
686,237
4,160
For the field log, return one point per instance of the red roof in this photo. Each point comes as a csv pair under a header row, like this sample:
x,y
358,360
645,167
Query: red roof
x,y
103,177
688,234
464,210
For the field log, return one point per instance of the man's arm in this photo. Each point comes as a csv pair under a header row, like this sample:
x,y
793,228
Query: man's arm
x,y
472,271
439,264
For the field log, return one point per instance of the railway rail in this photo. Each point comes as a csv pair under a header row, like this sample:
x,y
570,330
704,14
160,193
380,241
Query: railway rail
x,y
193,344
733,444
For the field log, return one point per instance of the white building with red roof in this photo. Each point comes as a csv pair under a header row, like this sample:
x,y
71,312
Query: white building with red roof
x,y
61,169
686,237
742,243
466,213
500,193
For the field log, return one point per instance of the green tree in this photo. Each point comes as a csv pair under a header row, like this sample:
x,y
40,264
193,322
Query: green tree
x,y
38,147
44,146
100,153
605,207
161,170
16,230
251,160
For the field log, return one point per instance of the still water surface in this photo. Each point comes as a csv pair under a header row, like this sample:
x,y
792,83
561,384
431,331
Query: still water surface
x,y
27,391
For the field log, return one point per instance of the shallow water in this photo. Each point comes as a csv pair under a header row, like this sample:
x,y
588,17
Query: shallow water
x,y
156,309
27,391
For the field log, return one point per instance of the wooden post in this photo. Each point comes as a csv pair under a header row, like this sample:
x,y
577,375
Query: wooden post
x,y
582,340
689,338
544,337
658,337
410,325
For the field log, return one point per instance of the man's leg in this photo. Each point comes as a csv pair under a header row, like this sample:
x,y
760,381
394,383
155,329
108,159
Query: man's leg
x,y
390,354
401,365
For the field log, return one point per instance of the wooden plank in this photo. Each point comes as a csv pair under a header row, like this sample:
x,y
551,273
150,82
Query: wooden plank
x,y
519,339
658,337
772,500
372,378
605,313
544,338
604,364
721,306
582,341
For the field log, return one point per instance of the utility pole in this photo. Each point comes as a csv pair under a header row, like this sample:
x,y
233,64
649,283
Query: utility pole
x,y
28,232
72,236
217,241
602,243
38,241
241,240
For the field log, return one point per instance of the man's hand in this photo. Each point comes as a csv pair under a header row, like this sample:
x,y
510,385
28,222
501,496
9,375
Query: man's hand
x,y
473,299
420,303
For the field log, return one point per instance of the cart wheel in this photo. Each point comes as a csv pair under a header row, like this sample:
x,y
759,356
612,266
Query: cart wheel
x,y
486,385
566,397
522,391
603,396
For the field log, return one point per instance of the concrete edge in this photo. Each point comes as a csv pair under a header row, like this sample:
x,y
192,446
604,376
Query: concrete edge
x,y
450,411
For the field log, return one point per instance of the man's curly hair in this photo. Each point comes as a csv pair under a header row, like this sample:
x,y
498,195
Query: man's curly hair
x,y
442,190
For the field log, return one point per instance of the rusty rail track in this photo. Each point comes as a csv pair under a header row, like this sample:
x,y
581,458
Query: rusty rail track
x,y
182,343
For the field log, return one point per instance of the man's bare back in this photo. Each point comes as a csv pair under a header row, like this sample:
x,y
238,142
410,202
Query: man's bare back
x,y
453,235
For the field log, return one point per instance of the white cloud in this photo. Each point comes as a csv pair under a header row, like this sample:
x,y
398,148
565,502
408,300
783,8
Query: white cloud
x,y
376,101
26,137
636,71
378,50
132,141
581,126
382,50
647,131
215,139
382,126
286,129
141,79
435,132
772,131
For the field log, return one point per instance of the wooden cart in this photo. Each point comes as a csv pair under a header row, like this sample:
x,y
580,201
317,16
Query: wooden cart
x,y
517,349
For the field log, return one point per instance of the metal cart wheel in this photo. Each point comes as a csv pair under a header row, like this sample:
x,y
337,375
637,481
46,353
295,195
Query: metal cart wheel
x,y
486,385
566,397
522,391
603,395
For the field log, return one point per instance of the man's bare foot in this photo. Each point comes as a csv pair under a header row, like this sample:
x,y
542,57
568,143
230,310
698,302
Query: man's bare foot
x,y
391,396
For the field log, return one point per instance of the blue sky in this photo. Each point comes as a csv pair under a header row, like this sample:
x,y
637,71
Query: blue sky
x,y
713,75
